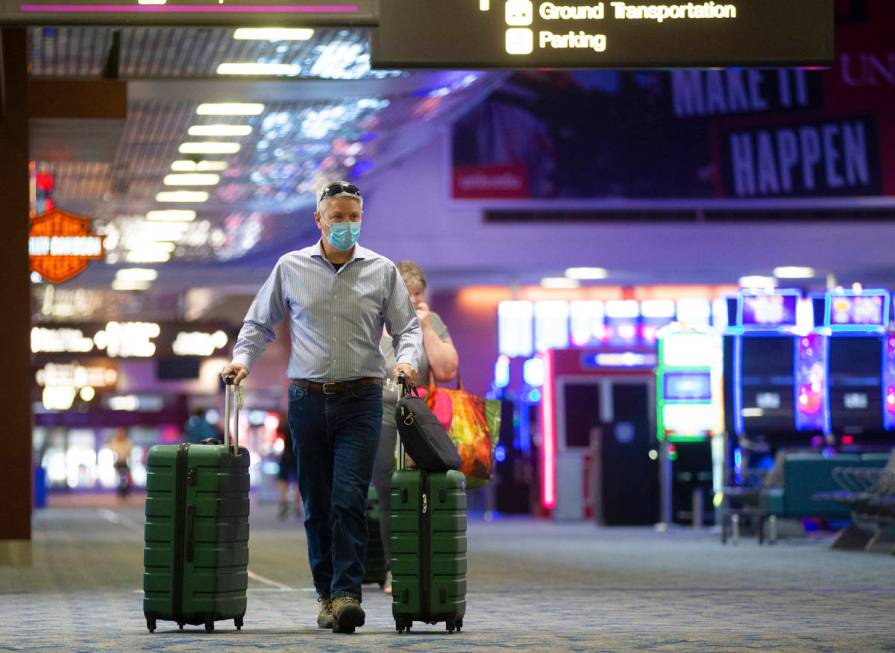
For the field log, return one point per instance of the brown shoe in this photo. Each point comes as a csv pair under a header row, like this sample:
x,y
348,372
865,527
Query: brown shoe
x,y
347,614
325,615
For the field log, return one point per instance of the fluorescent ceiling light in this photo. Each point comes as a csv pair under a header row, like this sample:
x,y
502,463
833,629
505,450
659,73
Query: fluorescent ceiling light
x,y
273,34
220,130
794,272
586,273
139,256
120,284
230,109
152,2
182,196
277,69
163,231
192,179
176,215
756,281
209,147
136,274
199,166
150,252
559,283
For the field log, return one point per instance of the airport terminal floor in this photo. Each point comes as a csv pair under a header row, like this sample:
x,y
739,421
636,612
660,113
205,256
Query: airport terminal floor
x,y
533,586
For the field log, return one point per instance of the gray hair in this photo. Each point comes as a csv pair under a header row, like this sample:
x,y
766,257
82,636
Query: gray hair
x,y
321,200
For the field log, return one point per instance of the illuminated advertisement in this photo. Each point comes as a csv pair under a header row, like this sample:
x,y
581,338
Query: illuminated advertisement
x,y
688,133
857,310
61,245
771,310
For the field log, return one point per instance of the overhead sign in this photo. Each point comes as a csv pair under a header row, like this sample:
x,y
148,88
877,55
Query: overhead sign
x,y
187,12
61,245
581,34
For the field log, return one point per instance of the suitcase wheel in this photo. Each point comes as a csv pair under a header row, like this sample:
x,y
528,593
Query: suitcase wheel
x,y
459,624
238,623
209,626
180,624
150,624
403,625
450,625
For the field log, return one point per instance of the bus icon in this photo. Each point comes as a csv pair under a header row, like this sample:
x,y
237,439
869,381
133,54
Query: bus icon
x,y
519,13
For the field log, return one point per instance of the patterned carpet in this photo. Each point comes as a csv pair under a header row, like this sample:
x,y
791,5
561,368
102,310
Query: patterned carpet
x,y
534,586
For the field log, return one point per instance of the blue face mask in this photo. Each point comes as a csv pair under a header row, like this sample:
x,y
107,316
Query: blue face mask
x,y
343,235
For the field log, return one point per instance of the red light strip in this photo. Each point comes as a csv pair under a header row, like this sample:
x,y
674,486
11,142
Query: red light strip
x,y
548,430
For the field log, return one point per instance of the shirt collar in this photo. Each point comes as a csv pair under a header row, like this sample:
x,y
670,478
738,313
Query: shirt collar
x,y
360,253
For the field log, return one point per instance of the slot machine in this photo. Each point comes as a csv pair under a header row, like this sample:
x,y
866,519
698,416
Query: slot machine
x,y
689,416
861,368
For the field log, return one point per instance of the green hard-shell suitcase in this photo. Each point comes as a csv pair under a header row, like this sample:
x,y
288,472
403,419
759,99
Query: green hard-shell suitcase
x,y
374,556
428,541
197,531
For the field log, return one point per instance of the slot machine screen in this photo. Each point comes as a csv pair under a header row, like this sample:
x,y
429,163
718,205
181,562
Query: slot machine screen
x,y
856,391
768,385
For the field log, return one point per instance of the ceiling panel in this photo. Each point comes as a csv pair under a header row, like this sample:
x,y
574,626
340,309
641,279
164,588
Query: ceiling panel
x,y
337,120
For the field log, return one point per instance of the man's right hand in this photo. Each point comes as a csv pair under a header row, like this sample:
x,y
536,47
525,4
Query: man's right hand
x,y
238,370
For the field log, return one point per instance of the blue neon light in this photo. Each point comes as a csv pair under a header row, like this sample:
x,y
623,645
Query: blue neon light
x,y
738,425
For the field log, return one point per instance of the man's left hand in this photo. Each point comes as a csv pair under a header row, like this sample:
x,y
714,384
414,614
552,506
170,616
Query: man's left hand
x,y
407,370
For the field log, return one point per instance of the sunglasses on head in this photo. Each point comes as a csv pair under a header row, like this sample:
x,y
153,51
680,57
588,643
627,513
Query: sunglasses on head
x,y
338,188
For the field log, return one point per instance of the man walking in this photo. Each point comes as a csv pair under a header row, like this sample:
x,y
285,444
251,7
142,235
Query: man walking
x,y
337,297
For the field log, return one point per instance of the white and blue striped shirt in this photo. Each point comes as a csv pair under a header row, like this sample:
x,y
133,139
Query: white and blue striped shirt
x,y
336,317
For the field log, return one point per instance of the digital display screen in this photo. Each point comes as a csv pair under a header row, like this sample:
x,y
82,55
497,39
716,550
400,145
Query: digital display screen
x,y
587,34
860,310
687,386
767,400
768,310
855,400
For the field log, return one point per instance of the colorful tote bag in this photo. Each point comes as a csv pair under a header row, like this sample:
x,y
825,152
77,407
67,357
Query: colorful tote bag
x,y
473,424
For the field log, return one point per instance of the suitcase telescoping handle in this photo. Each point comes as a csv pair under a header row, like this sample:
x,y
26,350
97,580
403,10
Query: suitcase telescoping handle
x,y
230,397
404,390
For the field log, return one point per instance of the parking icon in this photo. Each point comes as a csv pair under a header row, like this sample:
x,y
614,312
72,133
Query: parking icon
x,y
520,40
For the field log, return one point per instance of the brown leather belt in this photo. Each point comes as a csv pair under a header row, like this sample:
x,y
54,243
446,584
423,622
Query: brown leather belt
x,y
335,387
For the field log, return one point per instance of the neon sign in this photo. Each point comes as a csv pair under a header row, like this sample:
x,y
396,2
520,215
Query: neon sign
x,y
61,245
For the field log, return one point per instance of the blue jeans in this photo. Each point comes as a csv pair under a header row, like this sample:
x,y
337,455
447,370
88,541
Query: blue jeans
x,y
335,439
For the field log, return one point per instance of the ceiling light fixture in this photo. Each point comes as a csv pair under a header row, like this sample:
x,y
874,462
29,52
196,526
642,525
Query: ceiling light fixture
x,y
192,179
150,253
794,272
120,284
220,130
273,34
758,282
176,215
586,273
209,147
162,231
182,196
136,274
199,166
259,69
230,109
559,283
